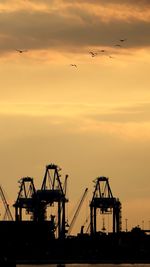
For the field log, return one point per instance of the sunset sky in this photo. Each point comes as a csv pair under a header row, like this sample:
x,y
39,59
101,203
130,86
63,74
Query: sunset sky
x,y
92,120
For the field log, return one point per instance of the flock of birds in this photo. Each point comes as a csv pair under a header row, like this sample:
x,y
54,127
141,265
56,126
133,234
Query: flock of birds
x,y
92,53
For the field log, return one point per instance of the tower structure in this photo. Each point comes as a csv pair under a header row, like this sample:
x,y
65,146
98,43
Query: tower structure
x,y
36,202
104,201
52,192
26,198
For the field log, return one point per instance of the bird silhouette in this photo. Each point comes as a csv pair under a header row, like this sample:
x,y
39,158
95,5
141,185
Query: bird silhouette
x,y
21,51
73,65
93,54
122,40
117,45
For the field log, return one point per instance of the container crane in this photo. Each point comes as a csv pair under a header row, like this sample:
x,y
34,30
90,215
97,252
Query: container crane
x,y
25,198
107,204
52,192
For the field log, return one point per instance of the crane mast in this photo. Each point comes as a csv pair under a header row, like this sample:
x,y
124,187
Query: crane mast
x,y
77,211
6,206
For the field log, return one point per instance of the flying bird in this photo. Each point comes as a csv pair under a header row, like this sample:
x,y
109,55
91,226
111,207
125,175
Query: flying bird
x,y
122,40
93,54
21,51
117,45
102,51
73,65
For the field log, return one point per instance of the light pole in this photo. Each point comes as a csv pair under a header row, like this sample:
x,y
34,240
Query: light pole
x,y
126,220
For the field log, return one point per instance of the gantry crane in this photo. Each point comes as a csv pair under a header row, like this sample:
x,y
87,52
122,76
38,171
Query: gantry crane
x,y
104,201
36,202
52,192
26,198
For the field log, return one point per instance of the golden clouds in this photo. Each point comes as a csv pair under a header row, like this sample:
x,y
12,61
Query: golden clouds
x,y
106,11
18,5
131,123
69,27
109,11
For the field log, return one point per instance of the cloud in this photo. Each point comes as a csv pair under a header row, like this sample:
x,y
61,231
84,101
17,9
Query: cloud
x,y
133,2
136,113
74,26
110,2
130,122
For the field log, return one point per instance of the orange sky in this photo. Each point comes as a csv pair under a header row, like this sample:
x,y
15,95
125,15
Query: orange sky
x,y
93,120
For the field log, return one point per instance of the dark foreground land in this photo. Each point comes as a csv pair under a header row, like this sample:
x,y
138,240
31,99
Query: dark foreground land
x,y
29,243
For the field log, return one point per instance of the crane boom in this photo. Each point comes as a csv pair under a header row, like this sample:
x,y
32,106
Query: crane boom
x,y
77,211
6,206
65,184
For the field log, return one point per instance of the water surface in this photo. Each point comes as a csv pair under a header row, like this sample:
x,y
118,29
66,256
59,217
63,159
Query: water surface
x,y
86,265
